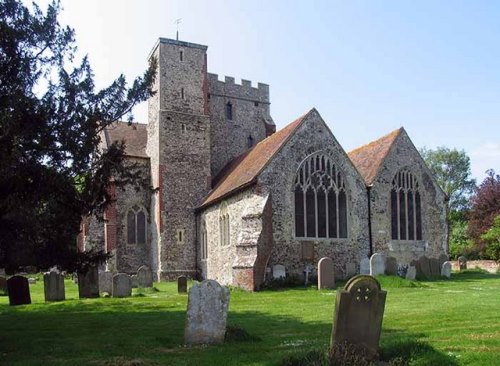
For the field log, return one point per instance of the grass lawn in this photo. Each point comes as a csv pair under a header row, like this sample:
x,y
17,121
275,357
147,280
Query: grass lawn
x,y
445,322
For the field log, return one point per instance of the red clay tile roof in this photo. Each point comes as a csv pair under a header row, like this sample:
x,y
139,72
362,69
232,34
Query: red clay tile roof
x,y
243,170
368,158
135,136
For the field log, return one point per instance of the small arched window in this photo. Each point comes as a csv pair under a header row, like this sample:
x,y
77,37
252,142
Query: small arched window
x,y
406,213
136,226
224,224
229,111
249,141
203,241
320,199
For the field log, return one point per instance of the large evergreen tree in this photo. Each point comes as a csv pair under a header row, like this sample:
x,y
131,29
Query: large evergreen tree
x,y
51,117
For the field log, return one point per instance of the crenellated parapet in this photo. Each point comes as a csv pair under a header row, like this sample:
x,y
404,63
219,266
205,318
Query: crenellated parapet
x,y
230,89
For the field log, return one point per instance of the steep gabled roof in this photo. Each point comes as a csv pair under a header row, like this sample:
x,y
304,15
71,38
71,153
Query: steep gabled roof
x,y
135,136
368,158
243,170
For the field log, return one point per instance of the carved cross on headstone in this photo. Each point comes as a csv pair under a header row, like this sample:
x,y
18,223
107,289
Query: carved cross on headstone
x,y
307,272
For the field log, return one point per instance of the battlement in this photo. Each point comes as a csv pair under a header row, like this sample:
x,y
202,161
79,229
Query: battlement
x,y
229,88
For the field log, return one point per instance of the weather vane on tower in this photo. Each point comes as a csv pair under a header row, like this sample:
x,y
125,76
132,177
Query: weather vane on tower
x,y
177,22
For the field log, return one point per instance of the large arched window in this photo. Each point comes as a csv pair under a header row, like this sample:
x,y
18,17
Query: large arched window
x,y
406,213
136,226
320,199
224,225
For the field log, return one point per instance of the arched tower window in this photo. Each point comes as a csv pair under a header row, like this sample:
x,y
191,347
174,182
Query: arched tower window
x,y
136,226
406,212
320,199
249,141
229,111
203,241
224,224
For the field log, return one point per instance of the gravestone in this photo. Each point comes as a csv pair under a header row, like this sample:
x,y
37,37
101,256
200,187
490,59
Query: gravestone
x,y
326,277
462,262
411,273
391,266
144,277
122,285
3,284
53,286
19,290
442,258
182,284
446,269
279,271
134,281
435,267
106,282
208,303
359,310
88,283
377,264
364,266
424,267
350,269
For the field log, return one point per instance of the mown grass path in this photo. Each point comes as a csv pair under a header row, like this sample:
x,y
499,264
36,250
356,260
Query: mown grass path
x,y
447,322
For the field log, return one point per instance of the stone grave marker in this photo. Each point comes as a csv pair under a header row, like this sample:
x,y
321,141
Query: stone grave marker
x,y
134,281
359,310
3,284
182,284
442,258
391,266
53,286
144,277
279,271
411,273
435,267
377,264
350,269
106,282
326,277
446,269
364,266
208,303
462,262
122,285
18,289
88,283
424,267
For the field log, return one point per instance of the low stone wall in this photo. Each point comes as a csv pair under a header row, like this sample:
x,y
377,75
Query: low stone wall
x,y
490,266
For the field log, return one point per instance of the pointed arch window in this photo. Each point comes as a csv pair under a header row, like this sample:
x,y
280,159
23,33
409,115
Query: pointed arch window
x,y
229,111
406,212
224,226
136,226
321,208
249,141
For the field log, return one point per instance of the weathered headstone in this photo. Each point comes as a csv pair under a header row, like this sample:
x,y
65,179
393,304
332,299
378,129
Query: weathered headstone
x,y
134,281
424,267
350,269
446,269
122,285
53,286
326,277
462,262
391,266
377,264
364,266
144,277
208,303
435,267
88,283
279,271
411,273
106,282
19,290
3,284
182,284
359,310
442,258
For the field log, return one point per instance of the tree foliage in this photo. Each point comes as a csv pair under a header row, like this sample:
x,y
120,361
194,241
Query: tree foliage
x,y
460,242
451,168
51,118
492,239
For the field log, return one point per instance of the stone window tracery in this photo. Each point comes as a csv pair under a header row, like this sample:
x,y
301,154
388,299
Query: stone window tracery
x,y
136,226
224,224
406,212
320,199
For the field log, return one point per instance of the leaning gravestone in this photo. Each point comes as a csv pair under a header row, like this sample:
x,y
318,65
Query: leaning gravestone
x,y
442,258
435,267
134,282
424,267
326,277
359,310
462,262
182,285
206,313
122,285
364,266
411,273
377,264
279,271
106,282
88,283
53,286
391,266
446,269
3,284
144,277
19,290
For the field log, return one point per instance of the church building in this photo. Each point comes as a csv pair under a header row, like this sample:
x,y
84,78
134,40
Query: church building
x,y
233,199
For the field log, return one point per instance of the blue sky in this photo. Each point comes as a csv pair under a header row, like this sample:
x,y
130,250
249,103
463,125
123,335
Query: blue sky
x,y
369,67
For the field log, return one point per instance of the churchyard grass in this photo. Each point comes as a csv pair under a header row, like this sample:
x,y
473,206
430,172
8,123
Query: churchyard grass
x,y
441,322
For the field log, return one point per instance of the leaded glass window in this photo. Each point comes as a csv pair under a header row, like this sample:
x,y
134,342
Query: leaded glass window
x,y
136,226
406,213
